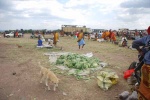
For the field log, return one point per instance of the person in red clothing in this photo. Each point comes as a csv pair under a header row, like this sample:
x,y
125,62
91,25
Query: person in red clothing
x,y
16,34
112,36
76,34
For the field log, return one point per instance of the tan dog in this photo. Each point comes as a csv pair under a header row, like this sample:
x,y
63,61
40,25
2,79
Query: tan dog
x,y
48,76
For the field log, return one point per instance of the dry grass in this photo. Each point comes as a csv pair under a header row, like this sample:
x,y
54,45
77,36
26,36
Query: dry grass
x,y
119,58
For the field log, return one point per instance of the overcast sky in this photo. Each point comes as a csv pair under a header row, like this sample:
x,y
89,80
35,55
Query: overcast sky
x,y
95,14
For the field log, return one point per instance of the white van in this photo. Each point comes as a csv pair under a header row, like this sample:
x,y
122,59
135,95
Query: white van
x,y
9,34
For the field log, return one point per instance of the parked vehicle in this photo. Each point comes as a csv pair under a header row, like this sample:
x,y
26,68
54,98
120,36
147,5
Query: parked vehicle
x,y
20,34
70,29
9,34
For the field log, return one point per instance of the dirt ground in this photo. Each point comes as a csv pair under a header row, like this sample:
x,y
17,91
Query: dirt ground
x,y
19,70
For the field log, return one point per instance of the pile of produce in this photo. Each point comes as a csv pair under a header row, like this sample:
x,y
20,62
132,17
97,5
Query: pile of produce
x,y
106,79
78,61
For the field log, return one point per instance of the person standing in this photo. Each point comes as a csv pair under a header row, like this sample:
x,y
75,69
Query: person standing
x,y
4,34
96,36
106,35
55,38
76,34
137,36
112,37
16,34
144,86
62,33
81,41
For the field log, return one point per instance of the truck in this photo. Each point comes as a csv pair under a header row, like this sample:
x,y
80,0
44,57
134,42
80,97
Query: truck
x,y
70,29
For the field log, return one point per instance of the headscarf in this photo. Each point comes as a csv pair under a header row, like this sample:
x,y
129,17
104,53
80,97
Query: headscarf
x,y
148,30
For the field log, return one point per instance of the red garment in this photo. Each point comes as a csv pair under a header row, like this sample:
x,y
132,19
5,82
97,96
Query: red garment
x,y
148,30
113,36
17,34
77,34
128,73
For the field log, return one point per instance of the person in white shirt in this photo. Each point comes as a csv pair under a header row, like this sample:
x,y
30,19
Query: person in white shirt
x,y
124,41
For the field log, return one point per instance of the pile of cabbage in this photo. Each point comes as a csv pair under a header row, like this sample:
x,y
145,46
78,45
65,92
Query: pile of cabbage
x,y
77,61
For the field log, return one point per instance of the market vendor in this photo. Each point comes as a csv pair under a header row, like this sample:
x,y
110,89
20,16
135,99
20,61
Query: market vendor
x,y
40,42
56,38
81,41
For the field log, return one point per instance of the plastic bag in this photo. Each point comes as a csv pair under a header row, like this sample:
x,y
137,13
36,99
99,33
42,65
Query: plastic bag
x,y
128,73
107,79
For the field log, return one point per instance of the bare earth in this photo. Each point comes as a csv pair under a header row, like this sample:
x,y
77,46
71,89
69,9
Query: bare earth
x,y
19,70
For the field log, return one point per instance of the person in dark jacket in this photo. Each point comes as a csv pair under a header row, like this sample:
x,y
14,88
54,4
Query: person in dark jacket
x,y
144,87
